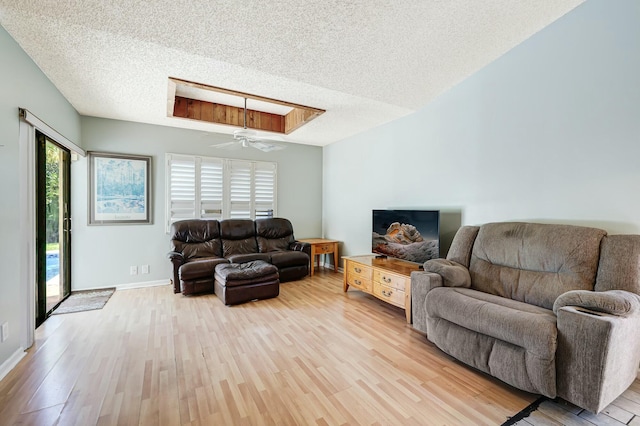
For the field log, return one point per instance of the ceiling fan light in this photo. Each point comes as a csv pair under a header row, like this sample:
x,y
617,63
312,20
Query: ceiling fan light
x,y
244,133
245,138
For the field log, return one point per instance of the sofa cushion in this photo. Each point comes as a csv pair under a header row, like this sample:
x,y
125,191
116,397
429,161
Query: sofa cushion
x,y
238,237
285,259
619,267
274,234
522,324
534,263
248,257
199,268
196,238
523,336
462,244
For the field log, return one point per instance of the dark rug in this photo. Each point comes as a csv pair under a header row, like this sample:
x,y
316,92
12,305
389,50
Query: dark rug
x,y
84,301
525,412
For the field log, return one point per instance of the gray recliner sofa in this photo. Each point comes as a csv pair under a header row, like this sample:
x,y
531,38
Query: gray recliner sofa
x,y
549,309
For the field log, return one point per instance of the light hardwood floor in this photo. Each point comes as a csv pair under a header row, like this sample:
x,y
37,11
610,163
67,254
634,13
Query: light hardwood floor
x,y
314,355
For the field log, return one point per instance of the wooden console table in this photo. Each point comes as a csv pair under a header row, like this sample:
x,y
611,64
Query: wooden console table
x,y
388,279
322,246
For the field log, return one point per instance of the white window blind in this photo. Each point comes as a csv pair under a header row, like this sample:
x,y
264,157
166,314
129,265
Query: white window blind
x,y
181,188
264,189
211,188
217,188
240,189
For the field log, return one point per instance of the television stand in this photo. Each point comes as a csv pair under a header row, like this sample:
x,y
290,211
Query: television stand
x,y
386,278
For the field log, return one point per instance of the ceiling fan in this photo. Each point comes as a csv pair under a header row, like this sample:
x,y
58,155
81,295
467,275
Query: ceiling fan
x,y
244,138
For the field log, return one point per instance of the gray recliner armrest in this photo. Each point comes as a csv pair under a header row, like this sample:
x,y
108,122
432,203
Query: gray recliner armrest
x,y
453,274
613,302
597,351
421,284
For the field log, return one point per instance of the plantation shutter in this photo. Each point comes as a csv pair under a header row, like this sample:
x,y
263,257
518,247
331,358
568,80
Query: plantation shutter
x,y
181,191
211,188
240,189
217,188
265,189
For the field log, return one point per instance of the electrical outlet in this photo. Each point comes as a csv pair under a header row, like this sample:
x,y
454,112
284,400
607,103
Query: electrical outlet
x,y
145,269
133,270
4,332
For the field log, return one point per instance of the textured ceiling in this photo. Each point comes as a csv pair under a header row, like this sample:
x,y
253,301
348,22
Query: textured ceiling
x,y
366,62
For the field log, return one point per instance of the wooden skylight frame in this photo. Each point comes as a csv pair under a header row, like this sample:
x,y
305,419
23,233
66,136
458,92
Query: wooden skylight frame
x,y
231,115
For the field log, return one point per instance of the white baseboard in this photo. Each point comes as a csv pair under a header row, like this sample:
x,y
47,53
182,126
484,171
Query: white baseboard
x,y
13,360
128,286
329,265
141,284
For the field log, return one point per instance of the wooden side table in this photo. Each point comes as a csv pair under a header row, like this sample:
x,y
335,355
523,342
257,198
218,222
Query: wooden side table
x,y
322,246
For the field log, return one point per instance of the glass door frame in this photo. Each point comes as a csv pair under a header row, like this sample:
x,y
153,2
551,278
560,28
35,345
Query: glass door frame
x,y
42,313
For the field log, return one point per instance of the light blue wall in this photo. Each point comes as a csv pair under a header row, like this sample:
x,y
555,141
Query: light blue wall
x,y
102,255
548,132
22,84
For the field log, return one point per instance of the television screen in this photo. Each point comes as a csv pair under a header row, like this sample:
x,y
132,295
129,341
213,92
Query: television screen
x,y
412,235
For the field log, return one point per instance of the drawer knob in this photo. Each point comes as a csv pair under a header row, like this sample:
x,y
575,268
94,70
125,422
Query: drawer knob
x,y
357,282
358,270
387,293
386,280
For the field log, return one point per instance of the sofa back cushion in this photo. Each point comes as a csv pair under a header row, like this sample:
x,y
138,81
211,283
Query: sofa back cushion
x,y
534,263
619,264
274,234
238,237
196,238
462,244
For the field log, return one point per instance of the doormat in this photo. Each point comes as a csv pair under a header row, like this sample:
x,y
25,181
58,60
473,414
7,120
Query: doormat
x,y
84,301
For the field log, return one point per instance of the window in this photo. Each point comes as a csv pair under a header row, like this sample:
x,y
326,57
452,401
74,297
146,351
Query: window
x,y
217,188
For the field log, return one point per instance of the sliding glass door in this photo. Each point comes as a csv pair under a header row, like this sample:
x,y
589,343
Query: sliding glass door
x,y
53,241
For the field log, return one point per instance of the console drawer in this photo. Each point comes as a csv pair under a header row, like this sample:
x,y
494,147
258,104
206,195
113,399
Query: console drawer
x,y
358,269
389,294
359,281
391,280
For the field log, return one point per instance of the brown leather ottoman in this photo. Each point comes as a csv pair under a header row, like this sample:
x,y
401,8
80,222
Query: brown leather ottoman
x,y
241,282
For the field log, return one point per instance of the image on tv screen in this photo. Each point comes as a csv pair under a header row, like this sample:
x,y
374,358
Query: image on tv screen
x,y
412,235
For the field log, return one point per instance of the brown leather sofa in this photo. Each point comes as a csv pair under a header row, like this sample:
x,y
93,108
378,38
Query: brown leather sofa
x,y
198,245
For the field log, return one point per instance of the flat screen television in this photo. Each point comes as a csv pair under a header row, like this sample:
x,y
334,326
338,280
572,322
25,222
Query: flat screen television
x,y
411,235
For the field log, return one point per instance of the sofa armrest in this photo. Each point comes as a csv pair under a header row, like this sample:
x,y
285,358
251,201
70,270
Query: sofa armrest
x,y
177,259
613,302
421,284
175,255
300,246
597,356
453,274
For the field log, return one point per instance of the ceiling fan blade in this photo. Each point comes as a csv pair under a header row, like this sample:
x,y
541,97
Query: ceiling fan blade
x,y
228,145
266,147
